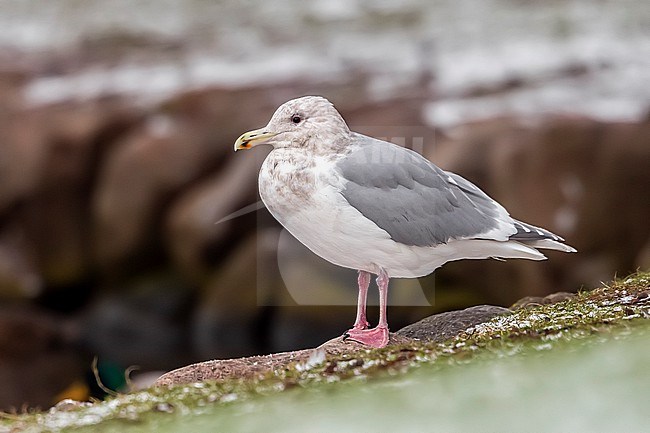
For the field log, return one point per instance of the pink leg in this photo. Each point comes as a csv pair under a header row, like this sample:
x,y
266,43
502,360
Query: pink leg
x,y
382,284
378,336
364,282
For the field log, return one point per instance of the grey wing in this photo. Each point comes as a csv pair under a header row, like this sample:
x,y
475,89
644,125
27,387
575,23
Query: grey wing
x,y
414,201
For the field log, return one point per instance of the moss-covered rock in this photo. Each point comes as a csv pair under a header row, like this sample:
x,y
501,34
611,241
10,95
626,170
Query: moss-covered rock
x,y
587,349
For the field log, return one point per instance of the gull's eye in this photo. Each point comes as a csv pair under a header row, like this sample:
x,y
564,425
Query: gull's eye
x,y
296,119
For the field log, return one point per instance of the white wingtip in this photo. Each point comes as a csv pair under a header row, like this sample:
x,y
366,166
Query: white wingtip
x,y
550,244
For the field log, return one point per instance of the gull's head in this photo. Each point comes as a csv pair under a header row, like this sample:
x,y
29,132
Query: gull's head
x,y
299,123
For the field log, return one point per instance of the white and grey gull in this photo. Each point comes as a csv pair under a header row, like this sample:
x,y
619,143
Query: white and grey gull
x,y
376,207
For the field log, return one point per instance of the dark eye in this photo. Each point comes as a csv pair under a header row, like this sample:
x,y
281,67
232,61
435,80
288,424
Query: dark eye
x,y
296,119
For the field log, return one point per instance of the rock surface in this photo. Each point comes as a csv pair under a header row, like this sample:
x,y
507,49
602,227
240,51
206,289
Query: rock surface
x,y
436,328
261,365
531,301
444,326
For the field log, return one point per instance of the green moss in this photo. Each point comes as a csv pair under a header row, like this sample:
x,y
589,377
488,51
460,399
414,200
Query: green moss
x,y
598,312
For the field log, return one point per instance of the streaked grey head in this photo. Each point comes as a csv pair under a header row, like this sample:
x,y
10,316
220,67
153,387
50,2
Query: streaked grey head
x,y
307,122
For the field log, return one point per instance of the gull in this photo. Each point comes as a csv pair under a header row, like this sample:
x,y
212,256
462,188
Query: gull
x,y
376,207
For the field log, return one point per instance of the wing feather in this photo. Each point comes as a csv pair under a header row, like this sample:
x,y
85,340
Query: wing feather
x,y
414,201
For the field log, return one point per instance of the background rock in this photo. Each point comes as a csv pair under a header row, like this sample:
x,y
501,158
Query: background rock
x,y
36,360
573,176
